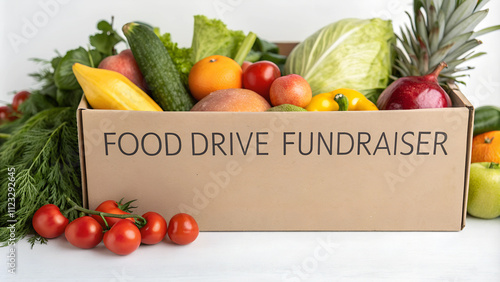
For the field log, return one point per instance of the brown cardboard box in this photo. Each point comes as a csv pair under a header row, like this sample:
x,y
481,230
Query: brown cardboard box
x,y
385,170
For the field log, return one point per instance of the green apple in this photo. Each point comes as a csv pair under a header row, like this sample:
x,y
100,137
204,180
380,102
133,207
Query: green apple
x,y
484,190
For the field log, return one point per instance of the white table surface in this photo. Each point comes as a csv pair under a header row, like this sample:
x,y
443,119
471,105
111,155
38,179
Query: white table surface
x,y
469,255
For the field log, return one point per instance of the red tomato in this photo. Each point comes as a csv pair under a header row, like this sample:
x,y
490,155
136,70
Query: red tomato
x,y
245,65
113,207
259,76
49,222
155,229
19,98
183,229
7,114
84,232
123,238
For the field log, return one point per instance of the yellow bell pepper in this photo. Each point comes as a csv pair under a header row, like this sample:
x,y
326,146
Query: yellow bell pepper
x,y
326,102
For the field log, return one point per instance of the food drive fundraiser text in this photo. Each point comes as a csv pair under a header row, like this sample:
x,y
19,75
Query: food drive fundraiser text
x,y
283,143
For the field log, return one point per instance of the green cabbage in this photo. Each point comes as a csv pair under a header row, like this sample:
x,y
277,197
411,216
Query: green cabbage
x,y
350,53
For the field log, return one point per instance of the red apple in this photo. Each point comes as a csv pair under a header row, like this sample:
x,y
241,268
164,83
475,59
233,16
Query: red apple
x,y
290,89
125,64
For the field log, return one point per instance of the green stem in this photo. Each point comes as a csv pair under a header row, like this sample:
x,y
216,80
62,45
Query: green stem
x,y
103,214
90,57
494,165
245,48
5,136
342,100
105,221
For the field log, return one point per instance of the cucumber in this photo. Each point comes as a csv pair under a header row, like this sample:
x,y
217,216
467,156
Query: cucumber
x,y
157,68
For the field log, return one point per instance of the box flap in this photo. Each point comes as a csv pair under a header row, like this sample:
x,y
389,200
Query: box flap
x,y
79,119
463,101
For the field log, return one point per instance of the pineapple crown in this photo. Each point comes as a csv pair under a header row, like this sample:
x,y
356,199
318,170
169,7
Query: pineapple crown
x,y
440,30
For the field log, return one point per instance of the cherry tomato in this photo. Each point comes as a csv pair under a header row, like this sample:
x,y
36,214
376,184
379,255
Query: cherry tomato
x,y
19,98
49,222
7,114
84,232
245,65
123,238
183,229
259,76
113,207
155,229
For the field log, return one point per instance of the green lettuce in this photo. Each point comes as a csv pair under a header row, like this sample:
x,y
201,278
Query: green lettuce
x,y
350,53
212,37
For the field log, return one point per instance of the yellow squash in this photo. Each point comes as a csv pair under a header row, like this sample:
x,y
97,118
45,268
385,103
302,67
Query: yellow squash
x,y
105,89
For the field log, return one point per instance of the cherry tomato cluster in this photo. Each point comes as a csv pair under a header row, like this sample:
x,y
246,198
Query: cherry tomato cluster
x,y
112,223
11,112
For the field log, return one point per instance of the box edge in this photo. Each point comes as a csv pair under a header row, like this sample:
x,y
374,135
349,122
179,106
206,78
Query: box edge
x,y
81,146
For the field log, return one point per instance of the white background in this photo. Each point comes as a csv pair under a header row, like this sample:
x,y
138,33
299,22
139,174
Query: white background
x,y
43,26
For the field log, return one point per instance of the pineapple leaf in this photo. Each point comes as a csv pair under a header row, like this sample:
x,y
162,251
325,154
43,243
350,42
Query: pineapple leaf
x,y
485,30
464,10
439,56
422,30
458,41
448,8
430,11
466,25
437,32
480,4
467,46
417,4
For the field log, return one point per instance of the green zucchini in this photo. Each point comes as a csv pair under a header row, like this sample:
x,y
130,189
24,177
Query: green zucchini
x,y
487,118
158,69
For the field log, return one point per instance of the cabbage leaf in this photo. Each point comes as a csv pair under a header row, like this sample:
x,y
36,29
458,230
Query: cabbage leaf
x,y
350,53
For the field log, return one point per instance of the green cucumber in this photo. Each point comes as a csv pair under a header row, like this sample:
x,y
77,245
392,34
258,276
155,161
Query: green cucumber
x,y
158,69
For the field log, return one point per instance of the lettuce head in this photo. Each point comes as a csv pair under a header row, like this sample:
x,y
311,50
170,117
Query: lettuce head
x,y
350,53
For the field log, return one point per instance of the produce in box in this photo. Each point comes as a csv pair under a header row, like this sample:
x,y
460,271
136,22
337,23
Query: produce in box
x,y
337,64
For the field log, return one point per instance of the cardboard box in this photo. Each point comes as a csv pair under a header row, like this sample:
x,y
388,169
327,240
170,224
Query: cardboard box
x,y
384,170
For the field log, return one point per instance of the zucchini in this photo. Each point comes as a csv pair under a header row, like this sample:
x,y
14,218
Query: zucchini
x,y
158,69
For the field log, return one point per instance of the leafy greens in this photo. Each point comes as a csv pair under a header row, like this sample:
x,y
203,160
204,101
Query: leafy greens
x,y
350,53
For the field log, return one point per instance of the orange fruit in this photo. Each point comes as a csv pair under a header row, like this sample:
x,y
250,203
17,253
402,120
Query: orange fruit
x,y
214,73
486,147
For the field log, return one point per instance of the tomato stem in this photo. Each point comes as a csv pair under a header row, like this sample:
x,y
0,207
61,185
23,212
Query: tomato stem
x,y
103,214
105,222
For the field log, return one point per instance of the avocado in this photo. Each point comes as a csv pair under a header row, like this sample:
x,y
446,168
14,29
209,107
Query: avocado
x,y
286,108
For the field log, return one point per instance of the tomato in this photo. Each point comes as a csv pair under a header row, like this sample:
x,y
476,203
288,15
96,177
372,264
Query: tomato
x,y
7,114
113,207
49,222
19,98
155,229
259,76
123,238
182,229
84,232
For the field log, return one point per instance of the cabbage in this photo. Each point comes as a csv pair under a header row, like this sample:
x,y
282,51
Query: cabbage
x,y
350,53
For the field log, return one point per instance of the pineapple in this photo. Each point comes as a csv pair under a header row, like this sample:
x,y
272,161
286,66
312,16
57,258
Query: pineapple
x,y
441,30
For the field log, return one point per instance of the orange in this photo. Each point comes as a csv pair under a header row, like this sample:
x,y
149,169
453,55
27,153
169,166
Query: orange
x,y
214,73
486,147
